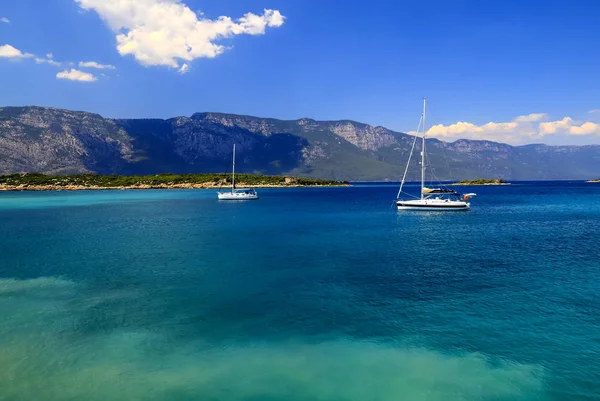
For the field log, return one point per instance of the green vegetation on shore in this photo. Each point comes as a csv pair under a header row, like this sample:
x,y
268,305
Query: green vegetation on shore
x,y
158,180
482,181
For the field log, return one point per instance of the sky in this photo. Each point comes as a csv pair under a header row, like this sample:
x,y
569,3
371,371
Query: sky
x,y
518,72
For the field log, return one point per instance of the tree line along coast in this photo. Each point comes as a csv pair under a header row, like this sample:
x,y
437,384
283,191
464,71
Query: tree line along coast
x,y
35,181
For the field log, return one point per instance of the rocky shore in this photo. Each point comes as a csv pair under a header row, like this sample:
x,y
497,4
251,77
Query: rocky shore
x,y
26,187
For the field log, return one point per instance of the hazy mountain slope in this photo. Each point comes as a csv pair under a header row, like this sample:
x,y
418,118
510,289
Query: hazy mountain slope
x,y
62,141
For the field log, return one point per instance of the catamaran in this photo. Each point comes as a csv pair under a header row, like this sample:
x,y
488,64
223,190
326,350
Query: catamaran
x,y
431,198
237,194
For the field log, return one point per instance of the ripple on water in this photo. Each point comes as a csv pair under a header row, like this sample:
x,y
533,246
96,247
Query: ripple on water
x,y
42,353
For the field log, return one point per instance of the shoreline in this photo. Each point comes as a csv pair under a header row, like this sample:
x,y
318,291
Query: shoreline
x,y
25,187
594,181
487,183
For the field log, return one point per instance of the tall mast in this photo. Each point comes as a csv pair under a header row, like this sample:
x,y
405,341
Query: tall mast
x,y
233,175
423,148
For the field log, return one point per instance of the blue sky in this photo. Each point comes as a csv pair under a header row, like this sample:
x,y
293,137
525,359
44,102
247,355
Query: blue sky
x,y
517,72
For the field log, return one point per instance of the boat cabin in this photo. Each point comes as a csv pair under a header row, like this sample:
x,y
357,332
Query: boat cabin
x,y
245,191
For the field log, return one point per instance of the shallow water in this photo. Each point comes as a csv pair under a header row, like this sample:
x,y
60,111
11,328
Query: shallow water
x,y
307,294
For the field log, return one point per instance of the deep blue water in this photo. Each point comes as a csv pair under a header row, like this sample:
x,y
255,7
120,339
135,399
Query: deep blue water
x,y
306,294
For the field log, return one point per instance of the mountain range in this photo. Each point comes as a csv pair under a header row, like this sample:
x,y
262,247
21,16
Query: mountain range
x,y
56,141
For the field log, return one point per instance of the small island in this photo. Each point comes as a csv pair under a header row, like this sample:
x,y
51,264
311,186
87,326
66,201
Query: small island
x,y
597,180
482,181
43,182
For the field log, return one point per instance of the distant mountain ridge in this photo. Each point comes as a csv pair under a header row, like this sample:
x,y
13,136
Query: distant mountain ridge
x,y
48,140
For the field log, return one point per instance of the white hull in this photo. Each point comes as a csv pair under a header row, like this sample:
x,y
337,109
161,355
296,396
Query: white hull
x,y
433,204
236,196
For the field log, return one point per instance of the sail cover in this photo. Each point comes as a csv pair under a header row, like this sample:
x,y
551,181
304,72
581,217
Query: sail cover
x,y
438,191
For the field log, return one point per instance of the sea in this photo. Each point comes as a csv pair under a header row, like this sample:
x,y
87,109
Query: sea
x,y
311,294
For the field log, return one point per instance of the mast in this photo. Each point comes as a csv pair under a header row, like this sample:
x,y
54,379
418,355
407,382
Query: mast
x,y
423,148
233,174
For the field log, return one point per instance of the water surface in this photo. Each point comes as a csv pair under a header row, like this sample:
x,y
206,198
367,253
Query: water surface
x,y
307,294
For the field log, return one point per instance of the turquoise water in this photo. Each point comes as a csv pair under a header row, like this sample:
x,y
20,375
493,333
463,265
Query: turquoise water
x,y
307,294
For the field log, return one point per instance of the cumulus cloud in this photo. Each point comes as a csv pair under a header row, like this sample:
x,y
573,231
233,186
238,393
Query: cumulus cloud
x,y
184,69
76,75
10,52
522,129
47,60
93,64
568,126
531,118
7,51
5,20
169,33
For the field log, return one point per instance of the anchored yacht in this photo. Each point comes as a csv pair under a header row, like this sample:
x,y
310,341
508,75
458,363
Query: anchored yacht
x,y
430,198
237,194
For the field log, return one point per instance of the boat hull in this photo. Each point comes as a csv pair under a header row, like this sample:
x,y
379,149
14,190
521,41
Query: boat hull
x,y
238,197
433,205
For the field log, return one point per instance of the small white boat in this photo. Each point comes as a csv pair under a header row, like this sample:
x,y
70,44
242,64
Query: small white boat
x,y
431,198
437,203
237,194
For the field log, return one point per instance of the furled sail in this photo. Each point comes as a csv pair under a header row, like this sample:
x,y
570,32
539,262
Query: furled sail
x,y
437,191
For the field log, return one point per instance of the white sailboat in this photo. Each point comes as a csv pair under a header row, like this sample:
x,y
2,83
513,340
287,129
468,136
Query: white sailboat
x,y
431,198
237,194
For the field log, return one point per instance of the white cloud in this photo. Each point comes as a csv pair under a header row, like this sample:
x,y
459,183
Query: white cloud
x,y
184,69
595,111
93,64
531,118
7,51
522,129
5,20
48,60
570,127
169,33
10,52
76,75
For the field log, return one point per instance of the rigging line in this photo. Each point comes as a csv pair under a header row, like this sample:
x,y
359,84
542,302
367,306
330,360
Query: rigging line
x,y
428,159
409,157
448,169
444,155
435,180
451,175
229,160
